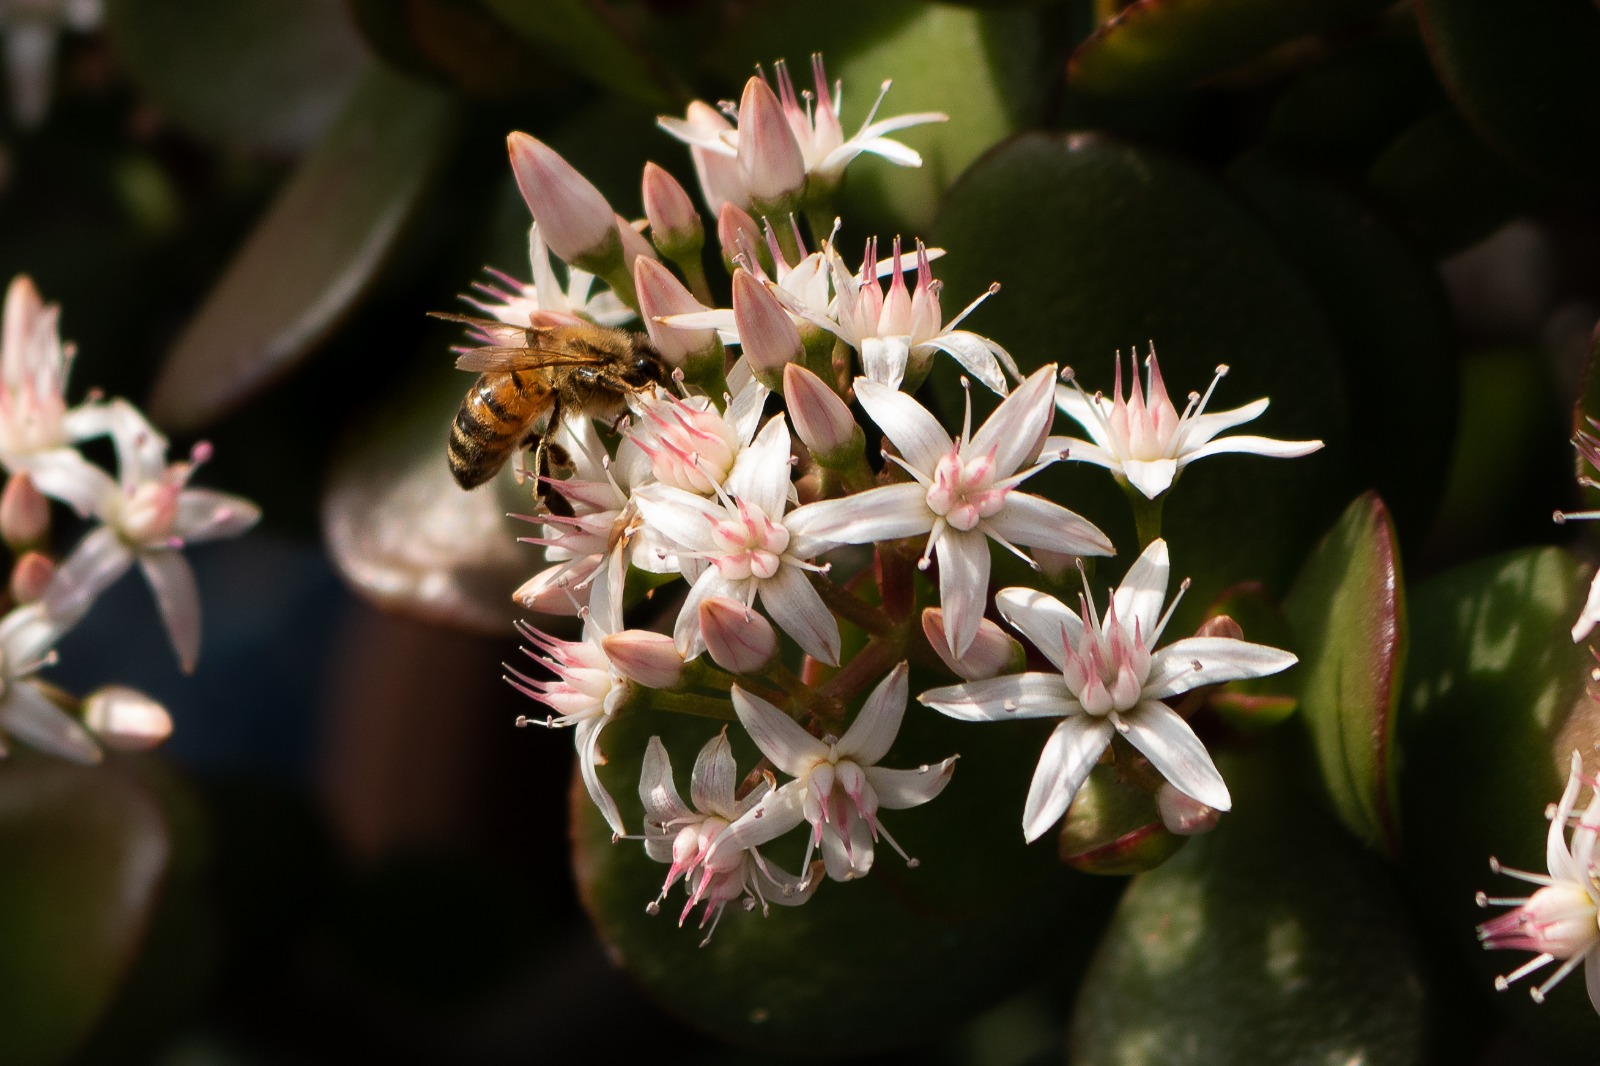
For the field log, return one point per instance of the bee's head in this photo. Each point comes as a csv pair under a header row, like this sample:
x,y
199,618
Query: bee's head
x,y
647,368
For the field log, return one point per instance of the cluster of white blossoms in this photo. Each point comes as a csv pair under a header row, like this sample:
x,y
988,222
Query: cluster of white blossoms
x,y
749,501
144,515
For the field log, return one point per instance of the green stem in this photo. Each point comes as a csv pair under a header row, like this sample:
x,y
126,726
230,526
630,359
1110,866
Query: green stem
x,y
819,220
1146,515
786,239
694,273
690,703
868,666
852,608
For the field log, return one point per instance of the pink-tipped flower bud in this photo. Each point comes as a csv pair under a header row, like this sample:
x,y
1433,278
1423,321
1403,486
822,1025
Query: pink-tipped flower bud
x,y
574,218
821,418
675,225
991,653
634,244
126,719
737,638
770,160
766,332
645,658
738,234
661,294
31,577
1184,815
24,513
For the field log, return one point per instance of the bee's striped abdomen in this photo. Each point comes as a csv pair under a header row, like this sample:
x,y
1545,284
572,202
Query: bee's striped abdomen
x,y
494,419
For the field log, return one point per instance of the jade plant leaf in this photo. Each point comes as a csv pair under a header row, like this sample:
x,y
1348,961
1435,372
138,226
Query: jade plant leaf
x,y
1272,939
1158,45
87,851
598,42
1529,85
897,957
403,533
460,44
1388,310
314,253
262,75
1349,615
1495,703
1100,246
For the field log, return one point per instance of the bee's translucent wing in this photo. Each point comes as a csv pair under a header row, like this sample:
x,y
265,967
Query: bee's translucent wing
x,y
505,360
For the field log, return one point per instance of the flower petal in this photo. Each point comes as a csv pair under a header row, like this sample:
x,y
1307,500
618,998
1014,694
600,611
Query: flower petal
x,y
777,813
884,359
975,354
1033,522
918,436
963,584
1143,590
206,515
657,791
779,737
1070,753
178,599
1081,451
1078,407
715,777
798,610
899,789
1001,699
1151,476
1195,661
1172,748
870,735
888,512
1277,449
681,517
1017,430
97,561
27,715
760,474
586,738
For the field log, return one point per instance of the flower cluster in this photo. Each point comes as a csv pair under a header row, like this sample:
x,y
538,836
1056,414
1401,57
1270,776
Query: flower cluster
x,y
145,515
793,549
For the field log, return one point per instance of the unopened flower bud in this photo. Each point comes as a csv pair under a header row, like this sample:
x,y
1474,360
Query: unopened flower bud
x,y
31,576
820,417
24,513
675,225
1055,565
770,160
126,719
1183,814
738,234
766,332
573,216
1220,626
645,658
737,638
991,653
1114,829
634,245
662,294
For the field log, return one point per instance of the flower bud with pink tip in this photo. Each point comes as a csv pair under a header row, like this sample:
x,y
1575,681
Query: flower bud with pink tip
x,y
675,225
661,294
1184,815
574,218
645,658
31,576
738,234
770,161
992,651
766,332
821,419
24,513
737,638
125,719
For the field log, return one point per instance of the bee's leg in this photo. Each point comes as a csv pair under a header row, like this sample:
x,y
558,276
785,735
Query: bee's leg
x,y
546,453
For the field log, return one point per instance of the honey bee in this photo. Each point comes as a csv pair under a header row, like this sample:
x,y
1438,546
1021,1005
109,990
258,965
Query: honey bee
x,y
523,392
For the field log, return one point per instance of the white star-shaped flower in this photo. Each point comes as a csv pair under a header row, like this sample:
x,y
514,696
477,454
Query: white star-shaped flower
x,y
27,635
1146,442
1109,682
964,494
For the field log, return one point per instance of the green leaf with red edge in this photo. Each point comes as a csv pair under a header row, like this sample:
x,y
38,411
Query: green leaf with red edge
x,y
1154,46
894,958
86,851
1273,939
1497,698
1349,616
1114,827
262,75
1525,78
314,253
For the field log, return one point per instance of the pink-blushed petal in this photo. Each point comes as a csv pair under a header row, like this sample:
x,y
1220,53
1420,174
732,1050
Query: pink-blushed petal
x,y
27,715
99,559
899,789
63,474
779,737
1034,522
798,610
558,589
586,738
1556,857
760,474
1172,748
1152,477
1081,410
1203,428
1195,661
975,354
206,515
963,585
715,778
918,436
777,813
1017,430
657,791
888,512
1001,699
178,599
1143,590
1070,753
679,516
870,735
884,359
1043,619
1080,451
1276,449
838,860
